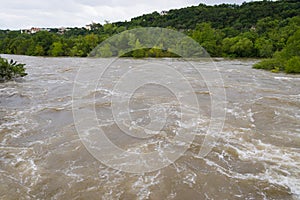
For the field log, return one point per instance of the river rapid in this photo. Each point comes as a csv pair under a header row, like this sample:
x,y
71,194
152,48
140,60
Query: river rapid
x,y
256,156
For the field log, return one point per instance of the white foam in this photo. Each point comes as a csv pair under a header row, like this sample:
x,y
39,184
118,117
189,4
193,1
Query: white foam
x,y
282,164
143,184
286,78
190,179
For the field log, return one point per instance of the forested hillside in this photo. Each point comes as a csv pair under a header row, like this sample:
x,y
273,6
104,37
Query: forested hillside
x,y
239,18
255,29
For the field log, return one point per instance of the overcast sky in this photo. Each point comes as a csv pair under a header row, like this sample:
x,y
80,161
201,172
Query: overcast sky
x,y
20,14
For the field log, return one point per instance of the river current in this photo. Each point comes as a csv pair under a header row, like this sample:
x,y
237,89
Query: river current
x,y
256,156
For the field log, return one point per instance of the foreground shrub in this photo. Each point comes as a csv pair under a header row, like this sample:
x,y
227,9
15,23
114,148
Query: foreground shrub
x,y
293,65
269,64
11,70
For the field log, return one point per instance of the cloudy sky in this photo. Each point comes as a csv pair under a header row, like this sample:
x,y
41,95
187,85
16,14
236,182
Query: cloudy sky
x,y
19,14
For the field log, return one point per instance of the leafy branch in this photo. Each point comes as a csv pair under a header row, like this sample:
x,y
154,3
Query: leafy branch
x,y
11,69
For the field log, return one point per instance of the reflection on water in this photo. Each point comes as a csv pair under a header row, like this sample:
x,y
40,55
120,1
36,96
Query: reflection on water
x,y
257,155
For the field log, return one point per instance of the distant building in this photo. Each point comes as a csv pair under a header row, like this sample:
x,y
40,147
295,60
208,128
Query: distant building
x,y
88,27
33,30
164,12
92,26
27,31
253,28
62,30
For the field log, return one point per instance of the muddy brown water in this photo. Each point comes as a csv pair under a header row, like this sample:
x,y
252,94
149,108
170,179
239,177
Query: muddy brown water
x,y
256,156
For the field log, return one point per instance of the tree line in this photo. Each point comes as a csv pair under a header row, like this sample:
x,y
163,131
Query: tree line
x,y
255,29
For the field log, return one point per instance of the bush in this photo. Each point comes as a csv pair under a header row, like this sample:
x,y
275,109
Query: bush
x,y
11,70
293,65
288,59
269,64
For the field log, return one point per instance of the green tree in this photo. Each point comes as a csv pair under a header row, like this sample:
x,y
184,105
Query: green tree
x,y
288,59
243,47
57,49
227,46
266,24
91,41
44,39
264,47
138,51
105,51
293,65
208,38
39,51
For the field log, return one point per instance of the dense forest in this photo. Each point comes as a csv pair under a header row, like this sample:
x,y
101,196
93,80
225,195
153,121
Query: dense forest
x,y
261,29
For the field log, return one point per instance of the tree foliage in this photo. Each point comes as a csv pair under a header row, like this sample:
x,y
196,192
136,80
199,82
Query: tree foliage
x,y
288,59
260,29
10,70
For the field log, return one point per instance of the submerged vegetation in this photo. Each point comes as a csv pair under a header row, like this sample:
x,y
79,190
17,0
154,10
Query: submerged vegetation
x,y
10,70
260,29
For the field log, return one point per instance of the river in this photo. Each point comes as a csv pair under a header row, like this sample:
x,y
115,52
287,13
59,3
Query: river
x,y
256,156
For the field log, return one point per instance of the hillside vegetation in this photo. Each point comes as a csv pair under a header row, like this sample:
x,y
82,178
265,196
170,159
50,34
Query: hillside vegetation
x,y
261,29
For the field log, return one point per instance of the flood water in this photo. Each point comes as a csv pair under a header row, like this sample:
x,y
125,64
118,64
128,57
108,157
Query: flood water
x,y
256,156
